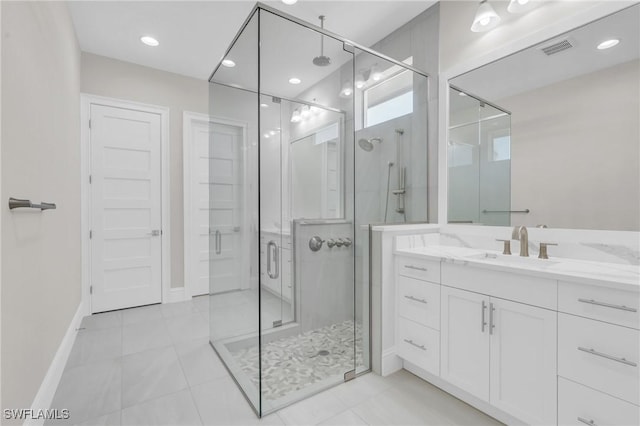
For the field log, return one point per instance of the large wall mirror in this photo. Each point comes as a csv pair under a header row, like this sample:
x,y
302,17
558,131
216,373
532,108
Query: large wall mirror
x,y
551,135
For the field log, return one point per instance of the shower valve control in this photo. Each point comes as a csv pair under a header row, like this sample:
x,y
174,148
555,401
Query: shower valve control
x,y
315,243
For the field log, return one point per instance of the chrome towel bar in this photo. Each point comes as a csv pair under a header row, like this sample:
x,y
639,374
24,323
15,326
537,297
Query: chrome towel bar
x,y
507,211
15,203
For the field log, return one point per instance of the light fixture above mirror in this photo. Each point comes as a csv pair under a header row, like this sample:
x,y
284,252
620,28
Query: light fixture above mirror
x,y
486,18
520,6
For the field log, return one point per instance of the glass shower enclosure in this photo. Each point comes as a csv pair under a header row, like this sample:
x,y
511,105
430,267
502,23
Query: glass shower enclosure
x,y
289,288
479,153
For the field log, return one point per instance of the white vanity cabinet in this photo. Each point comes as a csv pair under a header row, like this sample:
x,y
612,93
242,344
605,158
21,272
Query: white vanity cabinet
x,y
598,355
418,307
501,351
522,346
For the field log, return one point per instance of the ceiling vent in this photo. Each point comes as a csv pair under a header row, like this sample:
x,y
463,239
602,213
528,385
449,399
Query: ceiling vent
x,y
557,47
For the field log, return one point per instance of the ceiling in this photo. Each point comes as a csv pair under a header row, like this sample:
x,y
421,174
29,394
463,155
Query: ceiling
x,y
194,35
532,68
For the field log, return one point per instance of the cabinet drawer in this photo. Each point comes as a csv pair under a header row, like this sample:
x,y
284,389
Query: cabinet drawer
x,y
534,291
419,301
580,402
419,345
599,355
426,270
605,304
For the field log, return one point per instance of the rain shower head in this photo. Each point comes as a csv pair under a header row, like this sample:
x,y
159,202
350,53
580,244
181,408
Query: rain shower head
x,y
321,61
367,144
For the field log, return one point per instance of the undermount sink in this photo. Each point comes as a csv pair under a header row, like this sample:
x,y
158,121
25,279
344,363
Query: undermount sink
x,y
512,259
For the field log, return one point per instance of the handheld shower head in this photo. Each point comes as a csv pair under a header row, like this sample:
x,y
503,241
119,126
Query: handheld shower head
x,y
368,144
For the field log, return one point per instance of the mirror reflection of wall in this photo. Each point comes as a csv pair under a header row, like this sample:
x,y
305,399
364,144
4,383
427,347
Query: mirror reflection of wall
x,y
575,151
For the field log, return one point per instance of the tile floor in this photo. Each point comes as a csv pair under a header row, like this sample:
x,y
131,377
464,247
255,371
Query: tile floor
x,y
153,366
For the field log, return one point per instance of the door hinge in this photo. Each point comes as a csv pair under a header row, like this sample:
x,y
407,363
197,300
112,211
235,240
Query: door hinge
x,y
90,179
89,123
90,234
90,289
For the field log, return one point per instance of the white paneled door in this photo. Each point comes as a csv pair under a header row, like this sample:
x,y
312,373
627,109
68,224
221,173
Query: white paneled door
x,y
126,215
214,184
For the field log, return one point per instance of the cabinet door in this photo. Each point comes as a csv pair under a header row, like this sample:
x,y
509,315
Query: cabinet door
x,y
523,361
465,341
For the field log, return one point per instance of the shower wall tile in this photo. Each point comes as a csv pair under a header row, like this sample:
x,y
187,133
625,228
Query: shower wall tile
x,y
323,279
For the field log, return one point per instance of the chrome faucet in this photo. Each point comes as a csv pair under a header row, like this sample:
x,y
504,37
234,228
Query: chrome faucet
x,y
520,233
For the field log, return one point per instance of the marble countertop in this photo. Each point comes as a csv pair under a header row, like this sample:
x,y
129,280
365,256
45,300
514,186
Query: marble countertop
x,y
613,275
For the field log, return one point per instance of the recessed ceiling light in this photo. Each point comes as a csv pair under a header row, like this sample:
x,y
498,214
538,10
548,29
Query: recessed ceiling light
x,y
289,2
608,43
294,80
228,63
267,136
149,41
462,94
264,105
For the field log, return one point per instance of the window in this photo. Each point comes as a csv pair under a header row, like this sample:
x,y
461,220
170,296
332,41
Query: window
x,y
389,99
501,148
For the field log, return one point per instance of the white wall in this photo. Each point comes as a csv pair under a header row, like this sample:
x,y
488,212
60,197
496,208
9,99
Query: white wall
x,y
459,45
40,161
575,154
117,79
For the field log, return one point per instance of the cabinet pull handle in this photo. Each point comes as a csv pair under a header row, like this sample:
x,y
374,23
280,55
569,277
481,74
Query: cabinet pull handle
x,y
491,324
587,422
415,299
484,310
417,268
409,341
603,355
608,305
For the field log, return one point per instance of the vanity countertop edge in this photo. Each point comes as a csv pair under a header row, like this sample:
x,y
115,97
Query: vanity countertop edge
x,y
434,255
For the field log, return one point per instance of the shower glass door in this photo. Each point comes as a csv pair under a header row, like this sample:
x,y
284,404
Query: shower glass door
x,y
308,337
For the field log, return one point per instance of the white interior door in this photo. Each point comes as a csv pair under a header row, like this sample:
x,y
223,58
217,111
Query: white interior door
x,y
126,192
215,175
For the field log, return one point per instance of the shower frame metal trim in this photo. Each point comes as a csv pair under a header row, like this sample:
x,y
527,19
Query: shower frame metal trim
x,y
284,15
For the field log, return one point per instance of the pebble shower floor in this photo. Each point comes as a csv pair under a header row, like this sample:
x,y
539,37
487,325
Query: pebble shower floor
x,y
293,363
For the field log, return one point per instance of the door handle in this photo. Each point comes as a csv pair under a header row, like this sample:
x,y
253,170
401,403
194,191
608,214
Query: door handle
x,y
273,247
154,233
218,242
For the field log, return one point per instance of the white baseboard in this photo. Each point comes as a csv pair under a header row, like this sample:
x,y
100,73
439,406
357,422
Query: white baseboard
x,y
390,362
176,294
49,385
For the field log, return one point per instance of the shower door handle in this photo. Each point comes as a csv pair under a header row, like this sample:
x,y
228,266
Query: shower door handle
x,y
272,246
218,242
